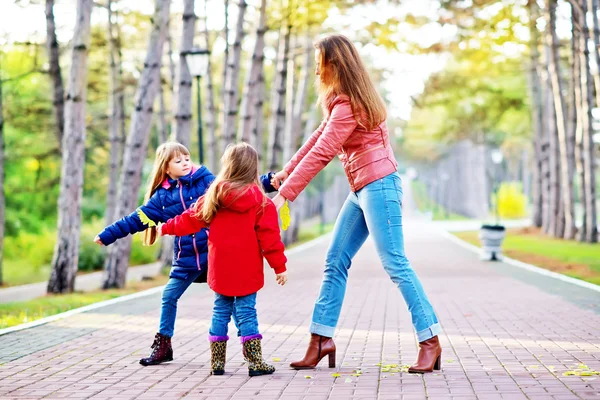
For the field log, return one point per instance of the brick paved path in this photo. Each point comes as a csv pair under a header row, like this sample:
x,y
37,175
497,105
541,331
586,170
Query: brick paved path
x,y
508,334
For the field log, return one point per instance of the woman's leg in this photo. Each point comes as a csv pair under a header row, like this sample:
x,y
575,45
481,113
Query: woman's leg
x,y
170,296
349,234
381,202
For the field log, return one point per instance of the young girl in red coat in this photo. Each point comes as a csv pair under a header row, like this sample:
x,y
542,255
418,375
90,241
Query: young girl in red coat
x,y
243,229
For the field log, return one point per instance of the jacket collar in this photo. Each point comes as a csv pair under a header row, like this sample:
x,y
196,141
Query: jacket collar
x,y
168,182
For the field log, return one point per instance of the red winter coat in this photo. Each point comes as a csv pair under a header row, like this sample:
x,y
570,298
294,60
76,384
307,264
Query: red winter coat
x,y
244,230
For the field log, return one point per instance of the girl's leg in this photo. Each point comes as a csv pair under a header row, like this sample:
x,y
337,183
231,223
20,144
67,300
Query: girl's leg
x,y
222,310
170,296
381,202
349,234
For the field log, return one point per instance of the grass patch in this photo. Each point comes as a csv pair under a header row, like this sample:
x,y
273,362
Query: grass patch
x,y
425,204
310,230
20,312
530,245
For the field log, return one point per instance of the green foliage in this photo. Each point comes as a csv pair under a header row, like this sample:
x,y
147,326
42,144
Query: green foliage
x,y
512,202
426,204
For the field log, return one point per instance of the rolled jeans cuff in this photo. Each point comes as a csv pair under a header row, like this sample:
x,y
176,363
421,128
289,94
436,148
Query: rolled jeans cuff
x,y
323,330
428,333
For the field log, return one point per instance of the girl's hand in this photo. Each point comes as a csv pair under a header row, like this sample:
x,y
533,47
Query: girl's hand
x,y
279,201
159,229
98,240
278,179
281,278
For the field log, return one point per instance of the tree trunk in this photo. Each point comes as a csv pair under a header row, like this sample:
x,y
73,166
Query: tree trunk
x,y
211,125
183,117
2,201
537,114
302,92
225,69
576,32
588,132
552,171
116,129
250,88
278,100
66,251
232,85
58,93
593,6
566,230
163,125
288,132
117,260
258,131
172,73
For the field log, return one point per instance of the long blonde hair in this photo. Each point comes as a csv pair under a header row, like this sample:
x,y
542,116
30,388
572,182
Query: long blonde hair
x,y
164,154
239,169
342,71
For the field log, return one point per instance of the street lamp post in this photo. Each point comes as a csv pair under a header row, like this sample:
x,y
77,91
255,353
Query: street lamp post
x,y
197,63
497,158
491,236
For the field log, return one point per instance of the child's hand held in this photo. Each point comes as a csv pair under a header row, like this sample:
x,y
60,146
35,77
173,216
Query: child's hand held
x,y
98,240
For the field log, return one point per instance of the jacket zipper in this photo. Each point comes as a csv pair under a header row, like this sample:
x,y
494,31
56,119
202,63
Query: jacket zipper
x,y
194,235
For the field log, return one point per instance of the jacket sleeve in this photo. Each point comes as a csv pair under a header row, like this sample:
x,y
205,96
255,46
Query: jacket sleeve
x,y
339,127
269,237
183,224
293,163
150,214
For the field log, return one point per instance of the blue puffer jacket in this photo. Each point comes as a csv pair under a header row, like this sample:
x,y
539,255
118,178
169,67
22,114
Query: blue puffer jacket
x,y
190,252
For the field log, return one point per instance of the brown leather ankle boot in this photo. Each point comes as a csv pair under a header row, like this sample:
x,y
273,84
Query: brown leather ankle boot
x,y
319,347
429,358
161,351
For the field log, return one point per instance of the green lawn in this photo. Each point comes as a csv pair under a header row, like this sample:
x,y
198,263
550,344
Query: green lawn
x,y
21,312
424,203
578,260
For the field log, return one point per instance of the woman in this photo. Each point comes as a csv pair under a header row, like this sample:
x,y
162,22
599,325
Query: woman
x,y
355,130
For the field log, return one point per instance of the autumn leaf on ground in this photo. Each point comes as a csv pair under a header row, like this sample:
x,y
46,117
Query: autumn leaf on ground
x,y
308,376
276,359
336,375
348,380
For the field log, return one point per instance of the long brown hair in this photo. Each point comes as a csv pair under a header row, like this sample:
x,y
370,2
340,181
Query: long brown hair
x,y
164,154
239,169
342,71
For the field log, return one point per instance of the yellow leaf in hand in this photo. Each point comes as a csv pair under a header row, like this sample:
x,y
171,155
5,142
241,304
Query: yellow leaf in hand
x,y
284,213
144,218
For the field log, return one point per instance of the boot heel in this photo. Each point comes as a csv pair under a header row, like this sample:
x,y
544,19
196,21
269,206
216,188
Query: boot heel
x,y
438,364
332,360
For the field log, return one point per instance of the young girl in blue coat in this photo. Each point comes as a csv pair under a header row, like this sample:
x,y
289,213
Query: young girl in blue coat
x,y
175,184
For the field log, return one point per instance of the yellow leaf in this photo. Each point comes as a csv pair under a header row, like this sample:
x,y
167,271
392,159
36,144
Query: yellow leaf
x,y
276,359
308,376
284,213
336,375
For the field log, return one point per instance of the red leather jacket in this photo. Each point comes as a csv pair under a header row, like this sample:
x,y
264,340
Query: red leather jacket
x,y
366,155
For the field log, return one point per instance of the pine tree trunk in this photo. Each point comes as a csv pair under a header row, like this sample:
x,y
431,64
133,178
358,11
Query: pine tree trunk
x,y
250,88
2,201
225,72
66,251
593,6
117,260
588,132
537,114
567,208
210,118
278,101
58,90
183,116
116,131
163,125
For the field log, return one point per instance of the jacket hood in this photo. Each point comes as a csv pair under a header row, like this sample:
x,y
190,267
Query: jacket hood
x,y
197,172
243,199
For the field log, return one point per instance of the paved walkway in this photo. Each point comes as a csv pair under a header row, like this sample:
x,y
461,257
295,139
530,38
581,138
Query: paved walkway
x,y
508,334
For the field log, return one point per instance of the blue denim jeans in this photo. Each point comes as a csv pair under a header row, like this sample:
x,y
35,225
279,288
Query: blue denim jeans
x,y
243,310
375,209
170,296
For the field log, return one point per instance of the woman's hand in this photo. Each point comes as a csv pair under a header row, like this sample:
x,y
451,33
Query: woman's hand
x,y
278,179
279,201
98,240
281,278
